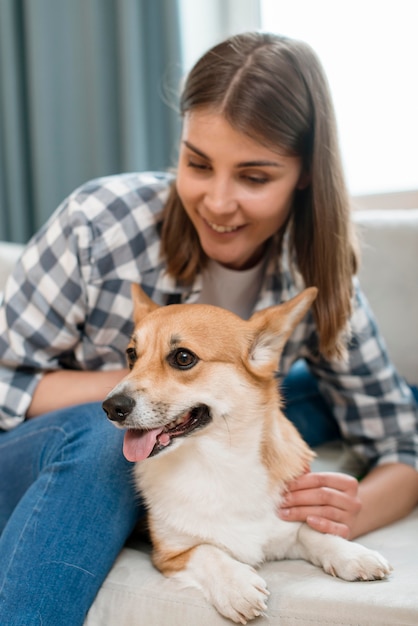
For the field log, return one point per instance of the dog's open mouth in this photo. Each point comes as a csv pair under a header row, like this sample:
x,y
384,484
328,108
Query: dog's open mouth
x,y
141,444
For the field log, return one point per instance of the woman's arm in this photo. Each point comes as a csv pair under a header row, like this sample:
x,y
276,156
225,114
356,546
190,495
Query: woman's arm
x,y
388,493
62,388
337,504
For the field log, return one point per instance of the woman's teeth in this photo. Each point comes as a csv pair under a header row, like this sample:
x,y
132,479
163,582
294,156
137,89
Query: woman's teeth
x,y
222,229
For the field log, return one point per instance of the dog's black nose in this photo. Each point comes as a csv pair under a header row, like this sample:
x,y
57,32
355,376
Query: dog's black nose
x,y
118,407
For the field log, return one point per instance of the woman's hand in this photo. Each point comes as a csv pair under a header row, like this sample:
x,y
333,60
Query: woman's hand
x,y
327,501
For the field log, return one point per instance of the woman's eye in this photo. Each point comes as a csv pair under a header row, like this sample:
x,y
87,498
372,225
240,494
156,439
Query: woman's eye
x,y
182,359
256,180
197,165
131,357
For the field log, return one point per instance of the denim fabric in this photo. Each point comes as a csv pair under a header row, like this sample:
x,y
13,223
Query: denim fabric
x,y
306,408
67,505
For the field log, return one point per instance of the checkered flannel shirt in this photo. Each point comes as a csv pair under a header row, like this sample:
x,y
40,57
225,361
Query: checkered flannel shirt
x,y
67,305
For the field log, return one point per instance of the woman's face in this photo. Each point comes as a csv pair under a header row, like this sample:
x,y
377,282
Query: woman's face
x,y
236,192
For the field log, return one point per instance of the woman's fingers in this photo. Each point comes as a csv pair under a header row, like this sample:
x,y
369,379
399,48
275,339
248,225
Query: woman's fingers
x,y
327,501
314,480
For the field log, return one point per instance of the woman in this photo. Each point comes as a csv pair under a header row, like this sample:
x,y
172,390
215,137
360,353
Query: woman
x,y
257,209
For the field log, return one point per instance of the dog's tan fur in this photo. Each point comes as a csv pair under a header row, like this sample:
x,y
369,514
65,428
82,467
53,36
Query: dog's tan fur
x,y
213,492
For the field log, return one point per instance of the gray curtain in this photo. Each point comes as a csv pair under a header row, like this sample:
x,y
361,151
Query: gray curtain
x,y
86,89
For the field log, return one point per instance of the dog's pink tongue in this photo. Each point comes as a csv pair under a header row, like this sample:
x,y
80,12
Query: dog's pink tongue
x,y
138,444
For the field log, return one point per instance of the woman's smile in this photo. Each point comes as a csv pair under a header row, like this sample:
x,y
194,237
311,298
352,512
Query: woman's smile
x,y
222,229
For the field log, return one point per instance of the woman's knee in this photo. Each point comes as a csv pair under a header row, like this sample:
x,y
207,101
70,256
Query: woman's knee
x,y
85,437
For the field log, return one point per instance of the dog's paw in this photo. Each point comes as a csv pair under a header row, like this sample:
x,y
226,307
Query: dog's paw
x,y
358,563
242,595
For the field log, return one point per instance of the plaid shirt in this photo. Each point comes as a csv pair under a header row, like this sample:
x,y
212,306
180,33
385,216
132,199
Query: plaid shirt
x,y
68,305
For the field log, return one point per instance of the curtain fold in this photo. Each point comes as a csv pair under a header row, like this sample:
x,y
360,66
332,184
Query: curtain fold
x,y
83,93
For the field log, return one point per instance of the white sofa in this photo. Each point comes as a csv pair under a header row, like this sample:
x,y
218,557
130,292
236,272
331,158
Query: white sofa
x,y
134,593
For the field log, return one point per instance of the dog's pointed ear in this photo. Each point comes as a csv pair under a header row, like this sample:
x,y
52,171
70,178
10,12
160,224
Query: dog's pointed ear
x,y
142,303
273,327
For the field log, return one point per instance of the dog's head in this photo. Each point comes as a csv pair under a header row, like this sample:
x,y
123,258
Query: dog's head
x,y
196,367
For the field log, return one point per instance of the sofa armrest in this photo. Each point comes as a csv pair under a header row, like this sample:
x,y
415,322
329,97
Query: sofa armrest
x,y
388,276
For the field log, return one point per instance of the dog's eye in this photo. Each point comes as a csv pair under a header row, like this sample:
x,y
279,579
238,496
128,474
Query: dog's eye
x,y
131,357
182,359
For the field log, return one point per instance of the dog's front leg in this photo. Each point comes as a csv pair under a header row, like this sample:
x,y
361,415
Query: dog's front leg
x,y
234,588
339,557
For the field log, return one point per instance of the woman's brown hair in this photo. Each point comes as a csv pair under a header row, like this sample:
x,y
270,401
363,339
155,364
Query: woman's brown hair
x,y
274,90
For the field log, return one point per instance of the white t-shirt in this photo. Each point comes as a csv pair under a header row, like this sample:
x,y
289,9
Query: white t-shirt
x,y
235,290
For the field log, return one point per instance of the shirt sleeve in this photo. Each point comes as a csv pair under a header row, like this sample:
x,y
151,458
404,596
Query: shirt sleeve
x,y
67,304
42,312
374,407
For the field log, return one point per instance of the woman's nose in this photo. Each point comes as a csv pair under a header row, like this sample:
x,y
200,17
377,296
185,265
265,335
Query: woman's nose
x,y
220,197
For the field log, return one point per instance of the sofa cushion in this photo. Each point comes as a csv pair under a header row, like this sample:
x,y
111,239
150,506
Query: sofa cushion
x,y
300,593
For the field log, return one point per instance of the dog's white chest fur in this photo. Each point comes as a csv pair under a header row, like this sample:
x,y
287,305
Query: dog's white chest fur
x,y
223,498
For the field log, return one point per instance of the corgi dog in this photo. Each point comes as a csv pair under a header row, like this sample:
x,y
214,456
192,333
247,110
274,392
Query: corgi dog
x,y
214,452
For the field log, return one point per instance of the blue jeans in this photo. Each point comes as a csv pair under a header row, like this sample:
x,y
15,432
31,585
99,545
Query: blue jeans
x,y
306,408
67,506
